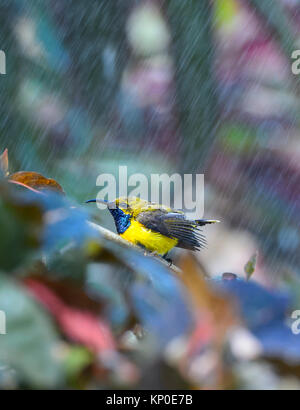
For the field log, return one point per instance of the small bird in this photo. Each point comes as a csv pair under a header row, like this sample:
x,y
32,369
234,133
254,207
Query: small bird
x,y
156,228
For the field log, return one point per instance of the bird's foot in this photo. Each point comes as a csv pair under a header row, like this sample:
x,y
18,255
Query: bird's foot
x,y
169,260
154,253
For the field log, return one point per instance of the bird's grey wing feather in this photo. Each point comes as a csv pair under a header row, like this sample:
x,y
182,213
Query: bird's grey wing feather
x,y
173,225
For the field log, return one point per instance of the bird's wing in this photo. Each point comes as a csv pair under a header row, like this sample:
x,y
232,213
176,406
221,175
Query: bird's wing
x,y
173,225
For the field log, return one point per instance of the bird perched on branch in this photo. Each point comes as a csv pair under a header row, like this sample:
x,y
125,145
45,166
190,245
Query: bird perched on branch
x,y
155,227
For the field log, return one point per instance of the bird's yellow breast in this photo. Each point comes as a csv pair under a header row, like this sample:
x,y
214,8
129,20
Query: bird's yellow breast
x,y
152,241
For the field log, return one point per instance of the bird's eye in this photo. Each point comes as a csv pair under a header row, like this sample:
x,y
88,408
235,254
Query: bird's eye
x,y
123,205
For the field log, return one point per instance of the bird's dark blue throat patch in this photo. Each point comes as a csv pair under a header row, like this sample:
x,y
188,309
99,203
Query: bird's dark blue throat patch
x,y
122,220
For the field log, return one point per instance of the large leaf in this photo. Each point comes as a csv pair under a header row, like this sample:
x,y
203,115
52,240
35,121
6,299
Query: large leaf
x,y
35,180
30,344
21,223
31,221
265,314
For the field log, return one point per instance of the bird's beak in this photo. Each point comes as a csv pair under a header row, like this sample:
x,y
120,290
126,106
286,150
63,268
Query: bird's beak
x,y
100,201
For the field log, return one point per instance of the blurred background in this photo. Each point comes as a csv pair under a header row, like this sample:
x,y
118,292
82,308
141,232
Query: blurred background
x,y
165,86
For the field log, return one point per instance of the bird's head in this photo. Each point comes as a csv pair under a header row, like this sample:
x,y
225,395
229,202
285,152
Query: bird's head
x,y
123,210
120,211
129,206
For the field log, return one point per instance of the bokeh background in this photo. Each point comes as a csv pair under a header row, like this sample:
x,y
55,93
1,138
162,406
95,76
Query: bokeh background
x,y
168,86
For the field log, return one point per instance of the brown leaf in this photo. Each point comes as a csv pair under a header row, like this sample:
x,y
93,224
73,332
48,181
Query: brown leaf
x,y
215,316
35,181
4,162
202,296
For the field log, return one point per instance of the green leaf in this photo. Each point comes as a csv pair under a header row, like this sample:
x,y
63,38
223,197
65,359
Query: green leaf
x,y
224,11
250,265
30,344
77,358
21,223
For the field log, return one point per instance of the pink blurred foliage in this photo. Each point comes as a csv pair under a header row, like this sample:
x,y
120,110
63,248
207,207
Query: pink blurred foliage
x,y
78,325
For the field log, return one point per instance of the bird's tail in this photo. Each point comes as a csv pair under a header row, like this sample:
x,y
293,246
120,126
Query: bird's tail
x,y
202,222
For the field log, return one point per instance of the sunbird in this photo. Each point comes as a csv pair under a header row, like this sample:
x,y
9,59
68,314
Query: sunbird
x,y
154,227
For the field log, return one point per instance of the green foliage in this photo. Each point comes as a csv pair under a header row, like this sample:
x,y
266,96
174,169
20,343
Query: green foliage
x,y
57,251
21,222
250,266
84,310
88,309
31,343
